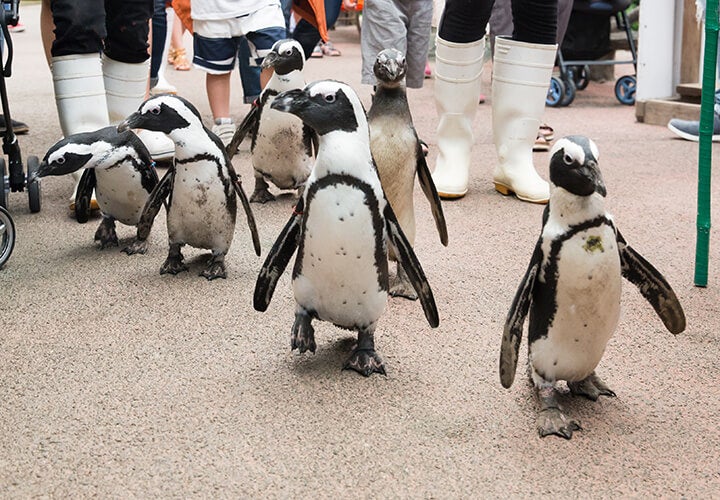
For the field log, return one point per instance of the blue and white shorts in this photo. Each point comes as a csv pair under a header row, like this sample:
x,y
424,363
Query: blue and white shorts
x,y
215,42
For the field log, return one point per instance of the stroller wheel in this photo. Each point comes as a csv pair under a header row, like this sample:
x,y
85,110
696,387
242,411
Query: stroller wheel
x,y
555,92
33,184
7,236
569,95
582,77
4,185
625,89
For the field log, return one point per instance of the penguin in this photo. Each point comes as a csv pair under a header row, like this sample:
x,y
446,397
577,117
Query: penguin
x,y
118,167
201,186
398,154
572,288
281,145
341,228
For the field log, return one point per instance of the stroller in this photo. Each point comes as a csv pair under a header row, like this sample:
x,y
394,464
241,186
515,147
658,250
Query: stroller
x,y
16,180
575,73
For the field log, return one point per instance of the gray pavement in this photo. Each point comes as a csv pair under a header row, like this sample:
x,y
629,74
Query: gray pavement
x,y
118,382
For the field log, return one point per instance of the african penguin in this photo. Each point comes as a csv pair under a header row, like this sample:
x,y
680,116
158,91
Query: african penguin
x,y
398,155
118,167
341,228
572,288
201,186
281,145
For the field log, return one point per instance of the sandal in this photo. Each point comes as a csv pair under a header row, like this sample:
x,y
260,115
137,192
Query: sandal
x,y
329,49
177,58
547,132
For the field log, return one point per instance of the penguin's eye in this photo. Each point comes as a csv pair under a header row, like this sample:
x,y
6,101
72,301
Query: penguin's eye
x,y
330,98
60,160
568,159
155,111
288,52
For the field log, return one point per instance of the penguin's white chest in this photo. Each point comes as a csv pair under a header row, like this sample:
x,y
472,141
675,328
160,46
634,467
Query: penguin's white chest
x,y
588,307
393,145
339,279
199,214
279,153
120,193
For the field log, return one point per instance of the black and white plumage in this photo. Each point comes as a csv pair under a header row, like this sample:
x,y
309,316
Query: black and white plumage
x,y
398,154
341,228
201,186
281,145
572,288
118,167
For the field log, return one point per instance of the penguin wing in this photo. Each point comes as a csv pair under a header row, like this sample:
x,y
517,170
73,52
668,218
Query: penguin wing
x,y
428,187
512,333
277,259
407,258
246,206
83,195
652,285
157,197
250,122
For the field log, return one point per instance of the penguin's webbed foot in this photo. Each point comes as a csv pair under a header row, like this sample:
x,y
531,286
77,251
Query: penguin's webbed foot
x,y
137,246
553,421
365,362
401,286
215,269
261,195
591,387
173,265
302,336
106,234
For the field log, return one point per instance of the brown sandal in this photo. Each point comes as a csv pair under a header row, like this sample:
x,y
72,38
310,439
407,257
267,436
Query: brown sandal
x,y
177,58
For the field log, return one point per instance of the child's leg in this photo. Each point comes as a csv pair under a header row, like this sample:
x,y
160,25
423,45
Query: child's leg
x,y
218,91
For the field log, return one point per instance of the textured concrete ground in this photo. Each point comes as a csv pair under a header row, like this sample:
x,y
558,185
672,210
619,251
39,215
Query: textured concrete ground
x,y
118,382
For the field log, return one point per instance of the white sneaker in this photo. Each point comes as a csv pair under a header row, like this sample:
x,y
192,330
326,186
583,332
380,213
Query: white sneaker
x,y
160,146
224,131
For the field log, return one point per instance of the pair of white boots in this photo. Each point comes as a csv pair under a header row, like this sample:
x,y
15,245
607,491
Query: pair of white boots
x,y
93,92
521,75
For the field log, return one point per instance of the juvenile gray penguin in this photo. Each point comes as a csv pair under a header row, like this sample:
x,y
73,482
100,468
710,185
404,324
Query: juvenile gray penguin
x,y
572,288
200,187
341,228
398,154
118,167
281,145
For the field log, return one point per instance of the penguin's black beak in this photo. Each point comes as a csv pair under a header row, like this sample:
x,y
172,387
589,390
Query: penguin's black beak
x,y
597,179
43,170
133,121
291,101
389,71
270,60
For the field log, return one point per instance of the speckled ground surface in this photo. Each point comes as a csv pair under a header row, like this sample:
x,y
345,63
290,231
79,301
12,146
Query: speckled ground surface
x,y
118,382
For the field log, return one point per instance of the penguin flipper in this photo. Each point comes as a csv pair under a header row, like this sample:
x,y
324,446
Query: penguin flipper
x,y
409,262
248,213
428,187
152,206
512,333
83,195
250,122
277,259
652,285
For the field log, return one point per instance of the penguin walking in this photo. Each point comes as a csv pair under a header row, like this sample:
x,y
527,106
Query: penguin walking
x,y
398,154
341,228
201,186
118,167
281,145
572,288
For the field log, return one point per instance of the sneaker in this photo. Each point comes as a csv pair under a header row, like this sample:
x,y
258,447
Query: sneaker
x,y
18,28
160,146
690,129
18,127
317,51
224,131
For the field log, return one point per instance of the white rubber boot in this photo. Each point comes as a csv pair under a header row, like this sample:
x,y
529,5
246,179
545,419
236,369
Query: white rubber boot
x,y
521,76
80,98
125,86
458,67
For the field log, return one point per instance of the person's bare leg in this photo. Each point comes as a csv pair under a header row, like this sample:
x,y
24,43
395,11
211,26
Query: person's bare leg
x,y
218,91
